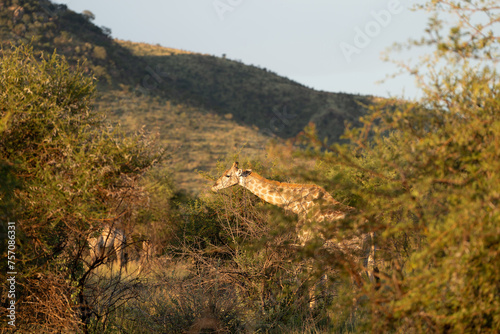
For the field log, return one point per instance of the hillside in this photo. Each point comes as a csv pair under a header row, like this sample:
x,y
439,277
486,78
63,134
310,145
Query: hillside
x,y
253,96
52,27
204,107
194,138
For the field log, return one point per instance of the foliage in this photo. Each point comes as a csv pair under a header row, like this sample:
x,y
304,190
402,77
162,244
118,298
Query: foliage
x,y
241,275
49,26
176,301
426,176
74,172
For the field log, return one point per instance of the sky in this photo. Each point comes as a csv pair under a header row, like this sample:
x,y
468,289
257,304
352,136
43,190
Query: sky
x,y
327,45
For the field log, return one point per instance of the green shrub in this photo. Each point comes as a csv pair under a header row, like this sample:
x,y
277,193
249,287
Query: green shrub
x,y
426,176
68,172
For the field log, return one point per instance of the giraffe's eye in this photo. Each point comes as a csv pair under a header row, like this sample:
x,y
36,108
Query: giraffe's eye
x,y
228,175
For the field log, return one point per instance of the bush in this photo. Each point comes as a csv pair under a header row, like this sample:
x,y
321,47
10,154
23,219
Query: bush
x,y
426,176
68,173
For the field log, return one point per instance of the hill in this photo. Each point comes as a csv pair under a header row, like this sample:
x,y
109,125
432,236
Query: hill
x,y
253,96
203,106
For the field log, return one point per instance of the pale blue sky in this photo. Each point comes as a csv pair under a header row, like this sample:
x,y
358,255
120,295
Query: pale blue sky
x,y
325,44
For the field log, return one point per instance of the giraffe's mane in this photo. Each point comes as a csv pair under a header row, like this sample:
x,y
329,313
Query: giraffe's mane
x,y
285,184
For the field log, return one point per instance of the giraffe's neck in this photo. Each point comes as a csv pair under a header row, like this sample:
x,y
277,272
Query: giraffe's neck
x,y
267,190
298,198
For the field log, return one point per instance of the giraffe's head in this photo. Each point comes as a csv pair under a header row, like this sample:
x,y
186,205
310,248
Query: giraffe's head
x,y
231,177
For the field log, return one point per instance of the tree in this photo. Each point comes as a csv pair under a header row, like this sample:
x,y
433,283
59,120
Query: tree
x,y
88,15
426,176
71,173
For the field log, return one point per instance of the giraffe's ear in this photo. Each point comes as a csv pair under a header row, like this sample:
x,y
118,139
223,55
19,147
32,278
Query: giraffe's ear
x,y
246,172
241,172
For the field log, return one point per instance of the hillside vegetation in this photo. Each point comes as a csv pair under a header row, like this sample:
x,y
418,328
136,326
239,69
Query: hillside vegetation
x,y
250,95
194,138
262,104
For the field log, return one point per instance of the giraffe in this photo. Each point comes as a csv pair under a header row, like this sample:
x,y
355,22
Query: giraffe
x,y
310,202
111,239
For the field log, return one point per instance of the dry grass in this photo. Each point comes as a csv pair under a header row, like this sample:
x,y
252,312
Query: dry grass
x,y
145,49
174,298
48,306
195,139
